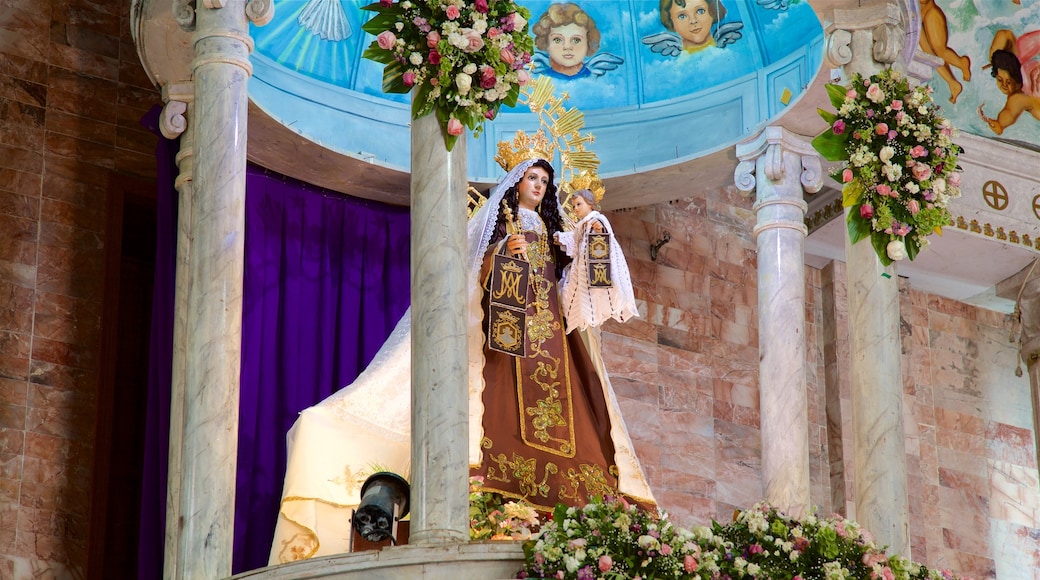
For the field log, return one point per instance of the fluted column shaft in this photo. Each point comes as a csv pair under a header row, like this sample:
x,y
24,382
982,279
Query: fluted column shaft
x,y
221,71
440,470
873,39
777,158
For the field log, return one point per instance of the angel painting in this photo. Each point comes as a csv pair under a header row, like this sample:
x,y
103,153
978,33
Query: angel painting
x,y
693,25
568,40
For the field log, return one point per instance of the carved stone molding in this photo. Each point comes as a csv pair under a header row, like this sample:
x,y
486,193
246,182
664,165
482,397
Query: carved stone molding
x,y
879,28
260,12
173,121
184,14
771,144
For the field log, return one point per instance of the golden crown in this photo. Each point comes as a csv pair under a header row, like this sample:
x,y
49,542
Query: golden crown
x,y
524,147
585,180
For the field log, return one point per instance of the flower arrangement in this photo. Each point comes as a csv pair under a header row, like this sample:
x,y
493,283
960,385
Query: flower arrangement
x,y
613,540
492,518
464,58
900,163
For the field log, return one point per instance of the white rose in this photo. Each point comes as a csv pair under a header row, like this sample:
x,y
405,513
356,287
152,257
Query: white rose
x,y
464,82
886,153
939,185
491,95
457,40
415,58
469,69
896,250
479,25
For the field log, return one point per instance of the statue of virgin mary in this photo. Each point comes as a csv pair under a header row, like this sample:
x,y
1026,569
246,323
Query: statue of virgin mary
x,y
544,427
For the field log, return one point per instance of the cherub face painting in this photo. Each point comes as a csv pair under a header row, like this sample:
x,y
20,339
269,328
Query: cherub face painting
x,y
568,47
692,21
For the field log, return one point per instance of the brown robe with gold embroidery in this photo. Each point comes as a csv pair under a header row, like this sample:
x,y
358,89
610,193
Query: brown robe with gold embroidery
x,y
546,424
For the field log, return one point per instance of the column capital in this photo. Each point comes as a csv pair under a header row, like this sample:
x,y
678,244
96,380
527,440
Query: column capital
x,y
259,12
770,145
176,97
882,23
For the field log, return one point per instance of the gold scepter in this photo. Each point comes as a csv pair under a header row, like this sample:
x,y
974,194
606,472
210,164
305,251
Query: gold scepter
x,y
513,226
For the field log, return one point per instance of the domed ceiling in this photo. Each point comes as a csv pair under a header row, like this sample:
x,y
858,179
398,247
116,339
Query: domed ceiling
x,y
652,95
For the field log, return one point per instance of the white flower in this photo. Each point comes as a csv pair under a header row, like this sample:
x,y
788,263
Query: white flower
x,y
939,185
470,68
896,250
491,95
479,25
415,58
886,153
892,172
464,82
912,187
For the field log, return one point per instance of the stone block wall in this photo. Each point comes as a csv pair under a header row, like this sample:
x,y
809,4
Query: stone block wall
x,y
72,92
686,373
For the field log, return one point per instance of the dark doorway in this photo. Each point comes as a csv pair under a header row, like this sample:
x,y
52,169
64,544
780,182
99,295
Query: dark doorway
x,y
123,377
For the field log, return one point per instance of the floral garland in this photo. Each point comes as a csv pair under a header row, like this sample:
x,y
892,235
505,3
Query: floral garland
x,y
464,58
900,163
493,518
613,540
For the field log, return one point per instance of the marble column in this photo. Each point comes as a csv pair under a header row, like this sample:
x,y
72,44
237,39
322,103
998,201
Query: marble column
x,y
777,164
865,40
176,121
440,469
213,329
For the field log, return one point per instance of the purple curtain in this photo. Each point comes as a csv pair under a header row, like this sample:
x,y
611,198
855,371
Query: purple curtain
x,y
326,280
156,446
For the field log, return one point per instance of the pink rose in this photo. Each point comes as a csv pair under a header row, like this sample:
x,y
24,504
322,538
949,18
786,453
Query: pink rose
x,y
507,56
875,94
891,134
881,128
481,6
489,114
386,3
884,190
918,151
755,549
408,79
665,549
851,94
921,171
452,12
605,563
434,57
689,564
914,206
432,39
846,175
386,40
897,105
523,77
494,32
839,127
473,40
954,179
454,127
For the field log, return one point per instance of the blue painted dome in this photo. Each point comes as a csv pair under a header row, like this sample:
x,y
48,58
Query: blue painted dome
x,y
653,92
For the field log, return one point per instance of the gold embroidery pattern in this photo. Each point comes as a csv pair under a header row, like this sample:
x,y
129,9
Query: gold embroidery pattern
x,y
551,413
593,478
298,547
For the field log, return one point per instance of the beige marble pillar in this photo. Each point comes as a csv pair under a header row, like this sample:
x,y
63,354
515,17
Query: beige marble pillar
x,y
865,40
176,121
777,164
212,337
440,470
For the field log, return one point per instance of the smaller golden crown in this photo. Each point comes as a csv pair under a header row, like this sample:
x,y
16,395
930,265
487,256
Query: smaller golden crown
x,y
524,147
585,180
